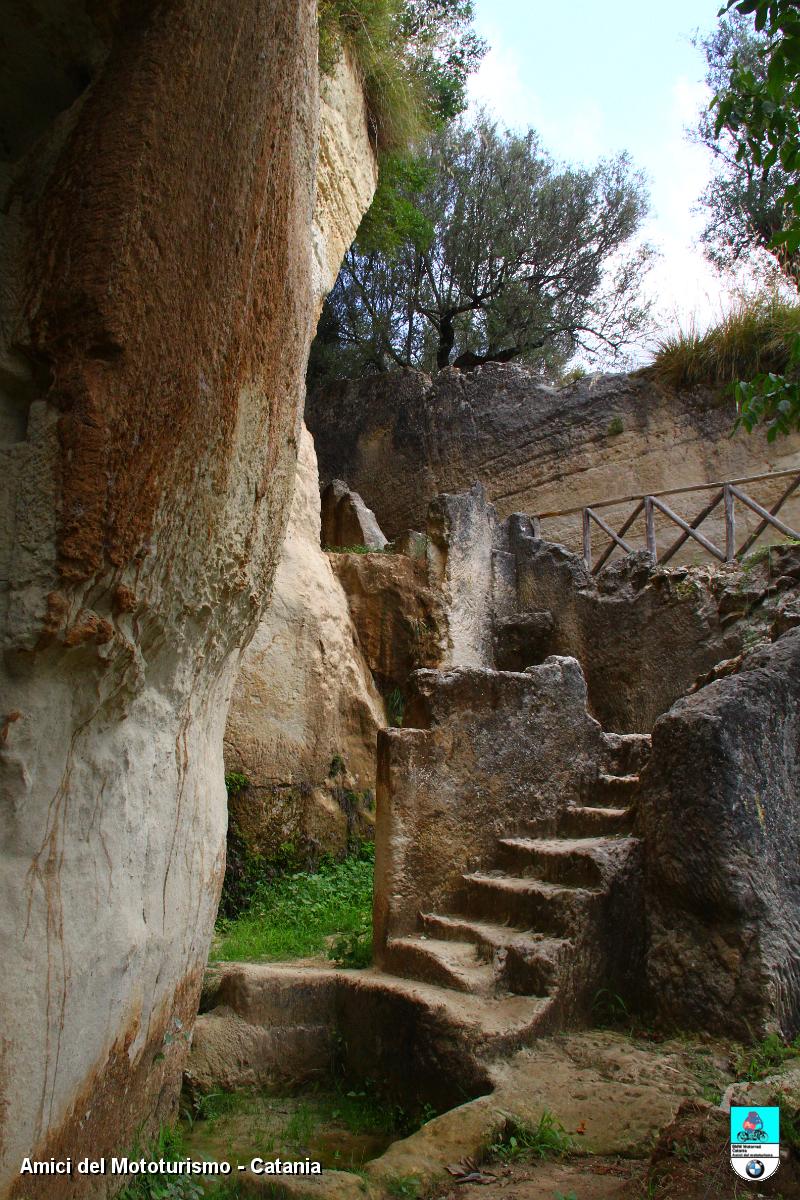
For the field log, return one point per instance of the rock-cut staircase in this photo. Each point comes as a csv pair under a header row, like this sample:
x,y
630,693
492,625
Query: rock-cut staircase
x,y
537,924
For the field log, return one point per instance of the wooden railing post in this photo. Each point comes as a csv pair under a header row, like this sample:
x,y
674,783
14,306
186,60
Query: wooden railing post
x,y
587,539
650,523
730,525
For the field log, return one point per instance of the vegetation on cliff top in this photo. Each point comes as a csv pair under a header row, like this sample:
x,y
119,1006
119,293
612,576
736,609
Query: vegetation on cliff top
x,y
754,337
758,111
414,58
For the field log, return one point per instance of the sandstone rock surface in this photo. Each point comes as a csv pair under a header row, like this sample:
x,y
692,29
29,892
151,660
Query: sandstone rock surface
x,y
346,520
304,695
400,618
158,298
304,691
721,826
400,439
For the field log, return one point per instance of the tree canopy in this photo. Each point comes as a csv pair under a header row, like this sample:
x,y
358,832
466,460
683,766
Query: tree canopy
x,y
759,108
512,257
745,197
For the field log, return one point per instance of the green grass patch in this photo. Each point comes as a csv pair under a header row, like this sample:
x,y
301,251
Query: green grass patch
x,y
754,1062
753,338
548,1139
294,915
170,1145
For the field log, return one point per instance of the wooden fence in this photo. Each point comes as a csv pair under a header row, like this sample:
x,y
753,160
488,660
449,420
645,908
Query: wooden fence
x,y
726,494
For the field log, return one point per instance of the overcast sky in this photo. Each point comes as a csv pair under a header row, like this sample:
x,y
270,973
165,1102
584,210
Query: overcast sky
x,y
595,77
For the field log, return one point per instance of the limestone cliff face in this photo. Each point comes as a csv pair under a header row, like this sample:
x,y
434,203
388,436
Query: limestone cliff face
x,y
160,291
304,694
400,439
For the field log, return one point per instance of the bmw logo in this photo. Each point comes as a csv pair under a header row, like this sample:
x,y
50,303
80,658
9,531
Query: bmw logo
x,y
755,1168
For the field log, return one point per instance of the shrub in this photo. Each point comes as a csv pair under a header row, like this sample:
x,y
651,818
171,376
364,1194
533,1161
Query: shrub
x,y
754,338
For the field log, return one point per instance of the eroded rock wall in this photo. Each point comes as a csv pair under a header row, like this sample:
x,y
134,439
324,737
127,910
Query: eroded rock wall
x,y
721,828
160,294
401,438
305,710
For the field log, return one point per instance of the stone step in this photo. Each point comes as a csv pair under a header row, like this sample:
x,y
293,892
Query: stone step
x,y
528,962
582,821
446,963
486,936
546,907
499,1025
613,791
626,753
578,862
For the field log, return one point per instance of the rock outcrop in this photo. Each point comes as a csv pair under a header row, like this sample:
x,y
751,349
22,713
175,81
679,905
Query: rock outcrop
x,y
400,616
400,439
160,290
346,520
304,697
719,817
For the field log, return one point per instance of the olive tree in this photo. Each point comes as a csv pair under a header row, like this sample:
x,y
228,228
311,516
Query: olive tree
x,y
514,257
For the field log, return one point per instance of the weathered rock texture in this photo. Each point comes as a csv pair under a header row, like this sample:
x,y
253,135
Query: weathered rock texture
x,y
304,696
158,296
346,520
719,815
643,635
400,439
484,751
400,618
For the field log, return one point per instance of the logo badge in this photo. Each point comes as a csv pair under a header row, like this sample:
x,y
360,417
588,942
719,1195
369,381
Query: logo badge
x,y
755,1142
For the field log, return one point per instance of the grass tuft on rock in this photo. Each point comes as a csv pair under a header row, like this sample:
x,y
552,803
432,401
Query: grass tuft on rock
x,y
753,338
371,31
295,915
548,1139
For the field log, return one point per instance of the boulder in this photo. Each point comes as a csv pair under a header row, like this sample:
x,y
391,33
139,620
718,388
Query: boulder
x,y
346,520
400,618
719,814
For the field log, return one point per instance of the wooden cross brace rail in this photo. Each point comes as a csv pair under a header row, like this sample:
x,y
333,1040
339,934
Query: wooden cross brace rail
x,y
726,493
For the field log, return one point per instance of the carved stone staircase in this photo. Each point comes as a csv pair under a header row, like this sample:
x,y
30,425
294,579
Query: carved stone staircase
x,y
534,924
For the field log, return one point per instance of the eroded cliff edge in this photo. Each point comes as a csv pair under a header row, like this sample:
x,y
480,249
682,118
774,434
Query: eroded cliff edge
x,y
166,264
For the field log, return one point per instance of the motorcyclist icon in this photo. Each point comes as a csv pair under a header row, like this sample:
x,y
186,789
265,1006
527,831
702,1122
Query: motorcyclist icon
x,y
752,1129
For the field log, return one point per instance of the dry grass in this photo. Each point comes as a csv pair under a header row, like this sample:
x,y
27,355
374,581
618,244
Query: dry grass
x,y
372,32
752,338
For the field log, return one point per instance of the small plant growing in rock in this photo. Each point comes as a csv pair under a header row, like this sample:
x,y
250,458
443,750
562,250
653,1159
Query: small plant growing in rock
x,y
395,708
404,1187
754,1062
236,782
615,427
609,1009
353,950
548,1139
